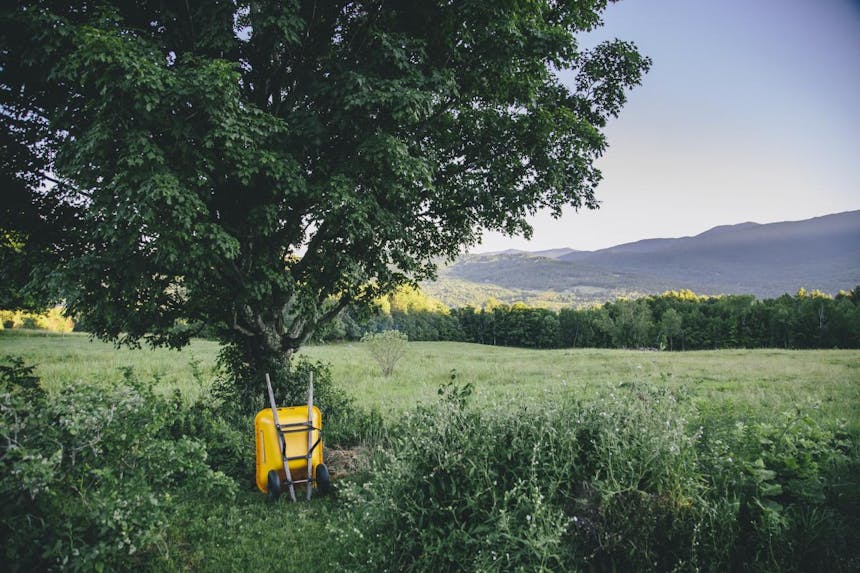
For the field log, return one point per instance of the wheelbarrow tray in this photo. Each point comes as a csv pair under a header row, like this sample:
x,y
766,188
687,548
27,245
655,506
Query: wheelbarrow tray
x,y
294,426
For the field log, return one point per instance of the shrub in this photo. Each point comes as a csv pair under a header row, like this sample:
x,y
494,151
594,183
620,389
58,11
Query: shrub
x,y
91,476
629,482
387,348
790,481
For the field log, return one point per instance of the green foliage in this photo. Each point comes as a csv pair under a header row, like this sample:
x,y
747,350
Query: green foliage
x,y
700,490
788,480
254,168
91,476
240,402
234,406
459,293
14,372
634,481
674,321
408,310
120,478
387,348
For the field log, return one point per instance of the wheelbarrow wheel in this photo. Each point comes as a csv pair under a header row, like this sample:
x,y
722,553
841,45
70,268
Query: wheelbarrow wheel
x,y
274,489
323,479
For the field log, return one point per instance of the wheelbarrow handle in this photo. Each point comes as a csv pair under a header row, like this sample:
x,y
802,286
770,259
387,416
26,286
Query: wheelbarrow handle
x,y
280,436
310,435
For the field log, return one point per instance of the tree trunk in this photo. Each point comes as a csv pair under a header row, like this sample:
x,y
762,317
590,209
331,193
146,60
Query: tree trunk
x,y
254,346
257,343
247,360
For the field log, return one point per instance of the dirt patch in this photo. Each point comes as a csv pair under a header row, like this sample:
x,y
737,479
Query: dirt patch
x,y
343,462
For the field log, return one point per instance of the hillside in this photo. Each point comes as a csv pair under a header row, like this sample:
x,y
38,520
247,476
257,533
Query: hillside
x,y
749,258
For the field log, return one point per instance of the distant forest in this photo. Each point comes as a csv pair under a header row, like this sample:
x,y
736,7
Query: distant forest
x,y
675,320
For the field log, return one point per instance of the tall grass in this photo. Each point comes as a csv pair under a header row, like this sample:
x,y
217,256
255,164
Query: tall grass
x,y
635,480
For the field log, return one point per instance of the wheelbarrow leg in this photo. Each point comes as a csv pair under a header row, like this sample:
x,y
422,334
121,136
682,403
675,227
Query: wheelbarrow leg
x,y
280,438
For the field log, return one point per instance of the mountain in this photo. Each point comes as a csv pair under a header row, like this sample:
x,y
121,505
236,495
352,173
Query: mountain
x,y
556,253
548,253
749,258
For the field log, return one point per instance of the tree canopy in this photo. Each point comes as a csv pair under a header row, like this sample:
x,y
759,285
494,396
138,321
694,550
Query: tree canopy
x,y
257,166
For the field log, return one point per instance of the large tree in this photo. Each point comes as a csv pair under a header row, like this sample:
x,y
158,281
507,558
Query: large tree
x,y
257,166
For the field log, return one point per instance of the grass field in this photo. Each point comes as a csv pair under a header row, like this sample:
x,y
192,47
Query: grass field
x,y
826,383
246,532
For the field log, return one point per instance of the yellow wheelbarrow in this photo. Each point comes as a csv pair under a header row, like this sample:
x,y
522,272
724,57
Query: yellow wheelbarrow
x,y
288,445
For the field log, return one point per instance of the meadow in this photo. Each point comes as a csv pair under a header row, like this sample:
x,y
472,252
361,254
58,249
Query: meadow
x,y
826,382
525,460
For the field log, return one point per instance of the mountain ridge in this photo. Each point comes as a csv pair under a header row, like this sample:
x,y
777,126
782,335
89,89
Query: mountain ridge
x,y
765,260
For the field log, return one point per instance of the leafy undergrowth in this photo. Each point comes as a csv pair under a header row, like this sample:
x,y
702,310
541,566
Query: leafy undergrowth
x,y
119,477
639,479
92,477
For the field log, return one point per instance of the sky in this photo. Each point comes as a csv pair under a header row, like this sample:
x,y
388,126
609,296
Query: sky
x,y
751,112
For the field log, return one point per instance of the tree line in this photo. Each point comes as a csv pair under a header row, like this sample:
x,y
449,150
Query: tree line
x,y
674,320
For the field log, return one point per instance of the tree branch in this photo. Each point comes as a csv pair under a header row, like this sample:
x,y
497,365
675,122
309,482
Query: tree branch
x,y
238,328
310,326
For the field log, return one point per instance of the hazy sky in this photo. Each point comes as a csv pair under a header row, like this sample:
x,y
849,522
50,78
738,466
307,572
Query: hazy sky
x,y
751,112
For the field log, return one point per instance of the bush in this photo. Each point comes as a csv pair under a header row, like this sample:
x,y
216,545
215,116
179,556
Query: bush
x,y
387,348
790,482
90,477
630,482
